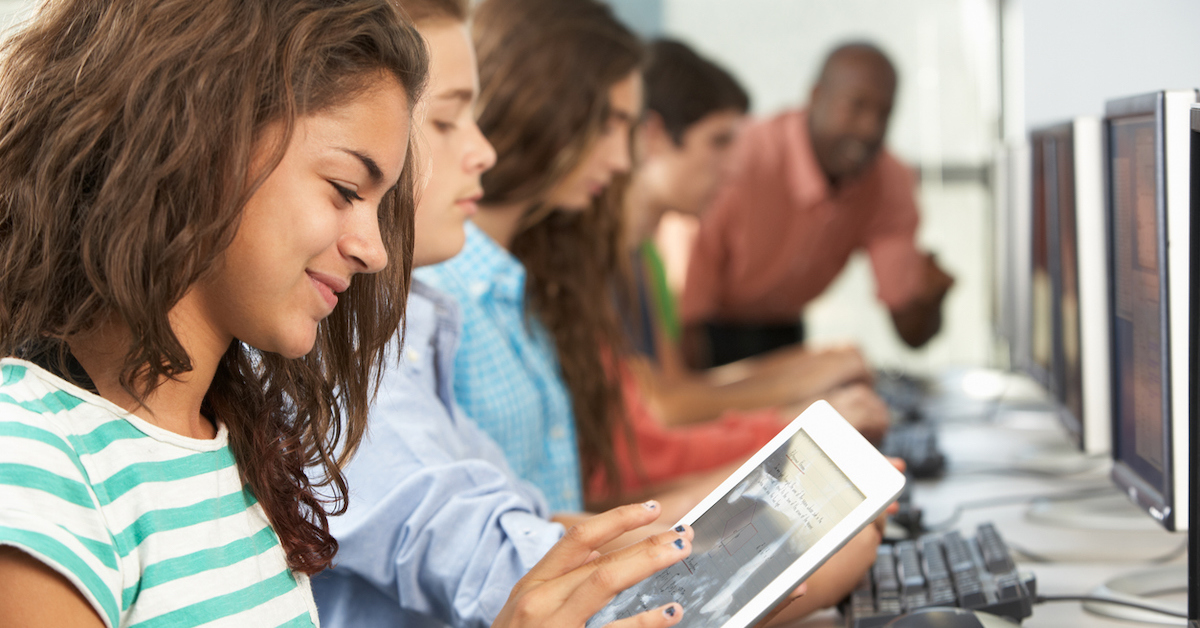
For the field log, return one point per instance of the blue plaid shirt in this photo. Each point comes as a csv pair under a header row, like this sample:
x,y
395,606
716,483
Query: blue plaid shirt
x,y
506,372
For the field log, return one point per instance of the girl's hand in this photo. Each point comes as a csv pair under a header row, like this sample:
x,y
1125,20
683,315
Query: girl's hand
x,y
574,581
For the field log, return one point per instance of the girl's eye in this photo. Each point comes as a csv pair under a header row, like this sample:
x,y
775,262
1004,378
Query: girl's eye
x,y
443,126
346,193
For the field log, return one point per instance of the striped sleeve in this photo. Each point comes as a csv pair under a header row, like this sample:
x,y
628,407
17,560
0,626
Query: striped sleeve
x,y
47,507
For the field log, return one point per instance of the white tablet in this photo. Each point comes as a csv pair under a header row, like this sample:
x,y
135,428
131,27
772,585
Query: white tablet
x,y
770,525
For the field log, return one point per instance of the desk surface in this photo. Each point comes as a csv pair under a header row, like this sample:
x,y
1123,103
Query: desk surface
x,y
1023,455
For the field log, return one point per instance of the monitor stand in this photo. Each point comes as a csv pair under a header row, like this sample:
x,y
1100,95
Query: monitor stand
x,y
1099,512
1053,460
972,394
1143,587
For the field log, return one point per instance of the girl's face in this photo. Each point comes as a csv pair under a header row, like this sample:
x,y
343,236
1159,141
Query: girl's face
x,y
310,227
608,155
452,151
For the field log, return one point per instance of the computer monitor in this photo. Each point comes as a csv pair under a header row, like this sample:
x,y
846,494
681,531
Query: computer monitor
x,y
999,247
1148,170
1194,388
1147,167
1038,364
1014,292
1069,181
1010,197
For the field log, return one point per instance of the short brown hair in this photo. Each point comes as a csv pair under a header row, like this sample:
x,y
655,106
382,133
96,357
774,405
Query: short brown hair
x,y
420,11
126,134
683,88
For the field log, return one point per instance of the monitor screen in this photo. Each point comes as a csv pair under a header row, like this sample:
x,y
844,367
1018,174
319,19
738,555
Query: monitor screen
x,y
1070,273
1041,321
1194,360
1141,403
1067,372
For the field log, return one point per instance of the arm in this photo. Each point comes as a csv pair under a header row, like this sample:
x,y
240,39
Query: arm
x,y
859,405
921,319
849,564
838,577
910,283
782,378
36,595
57,566
425,480
651,456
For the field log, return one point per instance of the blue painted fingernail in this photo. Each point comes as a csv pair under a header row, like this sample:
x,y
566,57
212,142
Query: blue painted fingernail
x,y
650,505
679,528
679,543
669,611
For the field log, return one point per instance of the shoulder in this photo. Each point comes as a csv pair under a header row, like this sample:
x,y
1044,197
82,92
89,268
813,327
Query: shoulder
x,y
50,508
36,406
894,175
765,139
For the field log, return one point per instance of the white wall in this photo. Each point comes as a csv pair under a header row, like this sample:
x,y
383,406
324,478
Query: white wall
x,y
13,10
947,106
1080,53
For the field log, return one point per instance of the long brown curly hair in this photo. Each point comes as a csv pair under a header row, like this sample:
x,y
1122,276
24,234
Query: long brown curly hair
x,y
126,134
545,70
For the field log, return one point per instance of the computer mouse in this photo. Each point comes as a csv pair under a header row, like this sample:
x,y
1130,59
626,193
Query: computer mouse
x,y
949,617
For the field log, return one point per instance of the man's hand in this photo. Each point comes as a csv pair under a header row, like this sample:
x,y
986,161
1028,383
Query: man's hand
x,y
921,319
937,282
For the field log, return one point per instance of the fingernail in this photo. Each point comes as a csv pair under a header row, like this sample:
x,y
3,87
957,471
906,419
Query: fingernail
x,y
669,611
650,505
679,543
679,528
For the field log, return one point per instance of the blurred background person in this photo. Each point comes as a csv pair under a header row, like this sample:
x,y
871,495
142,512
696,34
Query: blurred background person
x,y
808,188
693,112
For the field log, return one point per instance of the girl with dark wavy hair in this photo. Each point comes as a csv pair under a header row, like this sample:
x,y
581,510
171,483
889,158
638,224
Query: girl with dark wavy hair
x,y
198,204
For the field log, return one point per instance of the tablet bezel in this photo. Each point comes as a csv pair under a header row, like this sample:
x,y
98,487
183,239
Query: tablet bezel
x,y
853,455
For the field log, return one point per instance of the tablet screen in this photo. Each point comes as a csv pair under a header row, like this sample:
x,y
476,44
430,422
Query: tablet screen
x,y
748,537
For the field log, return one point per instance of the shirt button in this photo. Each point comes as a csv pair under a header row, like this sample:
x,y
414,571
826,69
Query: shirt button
x,y
412,354
558,433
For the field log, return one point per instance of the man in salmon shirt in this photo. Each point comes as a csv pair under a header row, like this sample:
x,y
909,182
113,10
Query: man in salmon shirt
x,y
809,188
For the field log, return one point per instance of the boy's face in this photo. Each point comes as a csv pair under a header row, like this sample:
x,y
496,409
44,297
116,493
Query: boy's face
x,y
687,176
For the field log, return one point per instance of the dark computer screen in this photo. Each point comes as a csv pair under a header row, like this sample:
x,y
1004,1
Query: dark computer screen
x,y
1041,321
1194,393
1141,404
1067,372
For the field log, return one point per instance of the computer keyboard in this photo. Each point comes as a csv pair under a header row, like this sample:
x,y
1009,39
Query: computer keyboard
x,y
904,393
908,516
942,569
917,445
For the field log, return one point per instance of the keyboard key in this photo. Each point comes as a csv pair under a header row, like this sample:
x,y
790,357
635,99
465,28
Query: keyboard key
x,y
942,569
910,574
995,551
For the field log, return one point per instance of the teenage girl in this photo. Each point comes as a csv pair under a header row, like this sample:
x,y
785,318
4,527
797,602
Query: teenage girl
x,y
198,203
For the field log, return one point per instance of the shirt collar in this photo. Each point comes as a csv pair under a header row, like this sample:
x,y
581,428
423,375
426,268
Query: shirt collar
x,y
489,268
808,184
428,311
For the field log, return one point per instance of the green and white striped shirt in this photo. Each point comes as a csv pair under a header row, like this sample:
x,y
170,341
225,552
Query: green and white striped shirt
x,y
153,528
